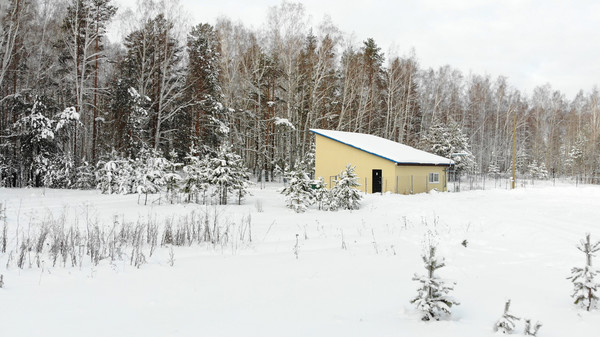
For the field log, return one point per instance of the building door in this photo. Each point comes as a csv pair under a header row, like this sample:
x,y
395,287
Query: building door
x,y
376,181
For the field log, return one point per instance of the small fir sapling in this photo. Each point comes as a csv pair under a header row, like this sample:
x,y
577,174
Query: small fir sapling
x,y
299,193
321,193
584,279
84,176
432,298
195,179
531,330
344,194
227,174
506,324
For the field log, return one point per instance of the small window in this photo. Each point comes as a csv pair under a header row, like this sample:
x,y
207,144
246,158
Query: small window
x,y
434,178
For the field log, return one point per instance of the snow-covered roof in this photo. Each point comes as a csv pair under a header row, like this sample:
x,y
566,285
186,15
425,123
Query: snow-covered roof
x,y
384,148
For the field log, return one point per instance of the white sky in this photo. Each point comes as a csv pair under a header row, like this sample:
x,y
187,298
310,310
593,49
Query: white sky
x,y
532,42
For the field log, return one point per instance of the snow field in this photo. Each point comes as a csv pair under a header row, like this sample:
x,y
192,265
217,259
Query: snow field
x,y
521,245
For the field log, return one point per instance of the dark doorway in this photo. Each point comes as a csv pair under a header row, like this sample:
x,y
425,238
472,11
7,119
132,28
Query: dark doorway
x,y
376,181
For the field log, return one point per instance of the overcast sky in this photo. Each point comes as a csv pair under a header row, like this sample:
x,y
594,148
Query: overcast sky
x,y
532,42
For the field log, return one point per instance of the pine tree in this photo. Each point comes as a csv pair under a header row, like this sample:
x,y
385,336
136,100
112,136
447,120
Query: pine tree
x,y
584,279
344,194
433,299
506,324
203,87
299,193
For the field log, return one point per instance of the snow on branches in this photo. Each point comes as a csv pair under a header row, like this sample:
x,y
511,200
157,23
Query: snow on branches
x,y
344,194
585,282
299,194
449,141
432,299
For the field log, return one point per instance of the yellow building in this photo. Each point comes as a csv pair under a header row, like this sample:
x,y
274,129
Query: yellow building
x,y
382,165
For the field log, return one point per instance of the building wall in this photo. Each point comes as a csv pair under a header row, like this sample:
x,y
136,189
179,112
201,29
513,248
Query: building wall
x,y
332,157
415,179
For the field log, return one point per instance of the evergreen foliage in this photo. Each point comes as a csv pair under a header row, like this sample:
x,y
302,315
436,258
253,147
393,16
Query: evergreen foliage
x,y
227,174
433,298
321,194
531,330
450,142
299,193
195,178
585,282
507,323
344,194
84,176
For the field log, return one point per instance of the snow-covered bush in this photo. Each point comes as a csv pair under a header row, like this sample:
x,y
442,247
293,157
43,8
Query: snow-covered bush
x,y
432,299
507,323
344,194
584,279
299,193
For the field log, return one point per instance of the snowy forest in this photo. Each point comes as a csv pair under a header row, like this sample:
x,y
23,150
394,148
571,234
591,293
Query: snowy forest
x,y
71,99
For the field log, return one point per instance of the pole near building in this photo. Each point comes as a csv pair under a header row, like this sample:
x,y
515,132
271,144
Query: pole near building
x,y
514,154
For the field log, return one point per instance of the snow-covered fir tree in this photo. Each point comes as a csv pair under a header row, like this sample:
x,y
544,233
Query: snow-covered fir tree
x,y
149,171
195,178
537,171
227,174
61,172
433,299
84,176
35,132
114,174
299,193
106,176
449,142
171,178
585,282
531,329
321,194
493,170
344,194
507,323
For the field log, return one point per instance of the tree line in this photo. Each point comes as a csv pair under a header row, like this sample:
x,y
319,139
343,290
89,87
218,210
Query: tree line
x,y
70,97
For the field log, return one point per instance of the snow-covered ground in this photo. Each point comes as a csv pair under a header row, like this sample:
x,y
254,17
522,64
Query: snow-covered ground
x,y
521,245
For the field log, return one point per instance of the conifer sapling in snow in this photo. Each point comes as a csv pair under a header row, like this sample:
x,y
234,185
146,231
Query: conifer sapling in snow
x,y
344,194
321,193
531,330
506,324
433,299
299,193
584,279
